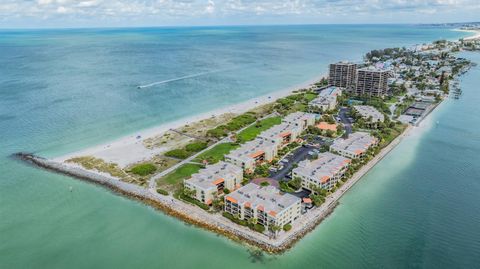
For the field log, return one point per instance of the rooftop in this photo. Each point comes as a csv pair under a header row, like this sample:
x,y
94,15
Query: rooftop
x,y
324,167
268,199
357,142
252,149
370,111
295,117
214,174
280,130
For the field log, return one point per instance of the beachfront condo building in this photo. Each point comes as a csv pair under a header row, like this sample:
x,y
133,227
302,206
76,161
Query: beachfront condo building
x,y
355,146
372,82
371,115
211,181
324,172
252,153
301,119
342,74
267,205
326,99
282,134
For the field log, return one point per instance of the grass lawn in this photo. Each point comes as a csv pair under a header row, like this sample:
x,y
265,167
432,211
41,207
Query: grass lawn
x,y
310,96
251,132
174,179
216,153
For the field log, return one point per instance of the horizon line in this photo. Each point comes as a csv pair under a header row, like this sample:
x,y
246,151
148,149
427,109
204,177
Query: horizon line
x,y
220,25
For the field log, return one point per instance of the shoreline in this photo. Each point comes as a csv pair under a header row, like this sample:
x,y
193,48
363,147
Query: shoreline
x,y
215,222
475,34
127,142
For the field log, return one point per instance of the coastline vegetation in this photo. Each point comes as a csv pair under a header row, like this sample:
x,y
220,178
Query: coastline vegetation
x,y
251,132
216,153
174,180
144,169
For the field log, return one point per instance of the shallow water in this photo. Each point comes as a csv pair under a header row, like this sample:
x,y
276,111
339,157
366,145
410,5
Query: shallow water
x,y
64,90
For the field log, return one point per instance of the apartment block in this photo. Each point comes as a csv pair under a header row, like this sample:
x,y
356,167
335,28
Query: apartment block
x,y
326,99
282,134
324,172
301,119
355,146
213,179
342,74
265,204
372,82
252,153
370,114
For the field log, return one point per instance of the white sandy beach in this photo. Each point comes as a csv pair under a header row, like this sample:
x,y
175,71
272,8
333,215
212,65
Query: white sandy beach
x,y
130,149
476,34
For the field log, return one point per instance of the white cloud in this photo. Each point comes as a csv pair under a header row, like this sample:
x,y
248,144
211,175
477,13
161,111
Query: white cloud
x,y
192,11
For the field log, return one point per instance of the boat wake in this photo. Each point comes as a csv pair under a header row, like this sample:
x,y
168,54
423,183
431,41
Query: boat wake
x,y
181,78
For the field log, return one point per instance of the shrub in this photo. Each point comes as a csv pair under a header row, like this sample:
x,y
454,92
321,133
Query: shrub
x,y
259,228
194,201
178,153
264,183
287,227
162,191
196,146
144,169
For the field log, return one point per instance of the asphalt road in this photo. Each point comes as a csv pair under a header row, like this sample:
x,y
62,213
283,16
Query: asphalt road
x,y
343,115
298,155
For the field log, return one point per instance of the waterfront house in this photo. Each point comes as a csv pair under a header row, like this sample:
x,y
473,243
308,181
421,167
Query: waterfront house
x,y
213,180
355,146
324,172
266,205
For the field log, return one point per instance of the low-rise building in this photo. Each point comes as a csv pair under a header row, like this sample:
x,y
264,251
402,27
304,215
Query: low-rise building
x,y
301,119
370,114
324,172
326,99
252,153
213,179
281,134
355,146
265,204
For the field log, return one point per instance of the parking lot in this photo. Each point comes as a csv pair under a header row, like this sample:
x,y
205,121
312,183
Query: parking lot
x,y
345,119
286,164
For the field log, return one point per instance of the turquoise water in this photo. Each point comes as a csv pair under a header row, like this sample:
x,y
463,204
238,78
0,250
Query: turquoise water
x,y
64,90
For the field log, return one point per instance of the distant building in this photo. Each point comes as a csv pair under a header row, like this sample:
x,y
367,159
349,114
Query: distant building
x,y
265,204
372,82
301,119
212,180
326,99
342,74
252,153
324,172
370,114
355,146
282,134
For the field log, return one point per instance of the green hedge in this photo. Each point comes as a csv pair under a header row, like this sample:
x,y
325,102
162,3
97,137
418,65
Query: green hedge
x,y
194,201
178,153
287,227
162,191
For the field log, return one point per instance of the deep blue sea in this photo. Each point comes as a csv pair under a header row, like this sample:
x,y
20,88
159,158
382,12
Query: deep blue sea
x,y
63,90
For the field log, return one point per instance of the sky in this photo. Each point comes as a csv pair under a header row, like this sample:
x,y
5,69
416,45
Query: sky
x,y
132,13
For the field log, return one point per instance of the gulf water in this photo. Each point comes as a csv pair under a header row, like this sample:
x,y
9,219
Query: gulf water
x,y
63,90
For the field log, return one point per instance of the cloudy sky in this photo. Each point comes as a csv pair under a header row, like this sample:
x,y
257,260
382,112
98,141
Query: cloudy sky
x,y
107,13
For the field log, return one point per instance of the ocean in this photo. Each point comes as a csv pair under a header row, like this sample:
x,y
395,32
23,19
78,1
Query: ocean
x,y
64,90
